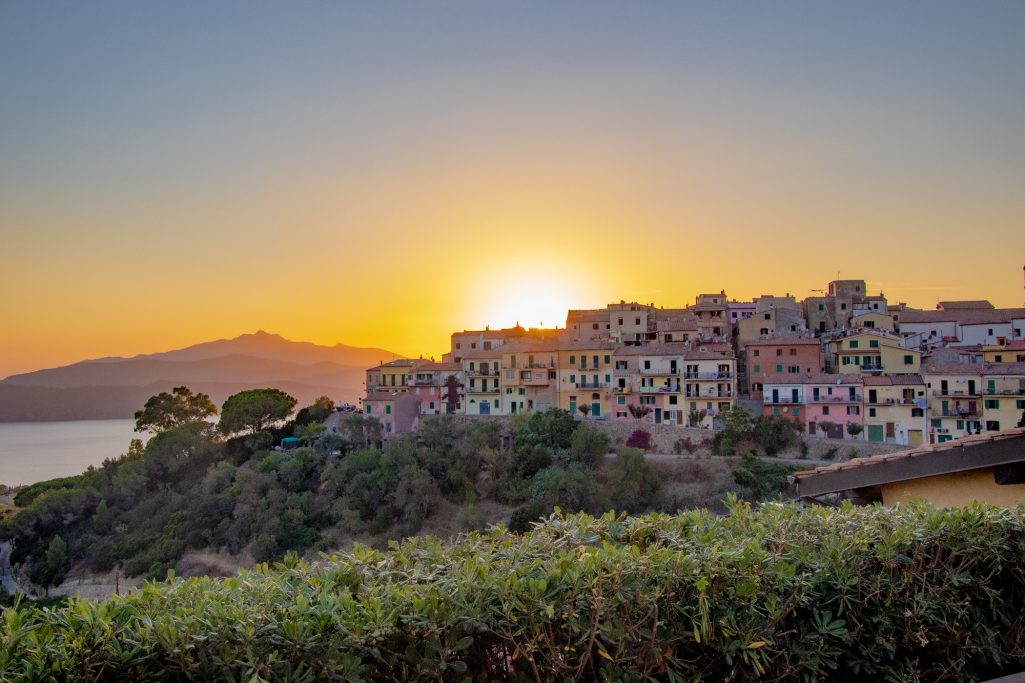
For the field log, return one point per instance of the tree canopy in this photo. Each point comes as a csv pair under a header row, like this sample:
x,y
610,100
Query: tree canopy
x,y
165,411
254,410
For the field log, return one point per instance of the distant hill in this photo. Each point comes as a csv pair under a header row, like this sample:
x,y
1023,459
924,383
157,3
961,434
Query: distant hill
x,y
117,387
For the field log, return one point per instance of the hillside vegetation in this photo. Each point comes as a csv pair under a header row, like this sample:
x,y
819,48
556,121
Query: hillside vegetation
x,y
194,487
777,593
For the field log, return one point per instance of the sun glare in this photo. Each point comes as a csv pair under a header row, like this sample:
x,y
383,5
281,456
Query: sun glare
x,y
537,304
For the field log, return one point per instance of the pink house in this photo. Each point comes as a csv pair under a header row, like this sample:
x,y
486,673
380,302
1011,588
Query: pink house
x,y
831,403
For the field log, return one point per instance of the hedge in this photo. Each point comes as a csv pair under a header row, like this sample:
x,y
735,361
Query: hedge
x,y
776,593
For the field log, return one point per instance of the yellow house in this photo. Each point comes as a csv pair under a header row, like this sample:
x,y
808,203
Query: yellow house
x,y
988,468
872,352
894,410
955,400
873,320
530,371
1003,395
393,376
585,378
1011,352
482,382
710,383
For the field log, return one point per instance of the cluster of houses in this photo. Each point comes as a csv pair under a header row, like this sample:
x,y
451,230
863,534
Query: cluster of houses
x,y
845,365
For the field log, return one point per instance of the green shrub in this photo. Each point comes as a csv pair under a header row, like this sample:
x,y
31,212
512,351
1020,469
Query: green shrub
x,y
780,593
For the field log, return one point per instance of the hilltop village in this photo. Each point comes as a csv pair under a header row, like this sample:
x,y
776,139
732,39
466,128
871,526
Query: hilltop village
x,y
843,365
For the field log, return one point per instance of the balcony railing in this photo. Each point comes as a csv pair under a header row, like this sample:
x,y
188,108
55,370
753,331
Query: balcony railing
x,y
482,390
662,372
591,385
1004,392
773,401
872,367
837,399
940,392
482,373
660,390
708,375
953,412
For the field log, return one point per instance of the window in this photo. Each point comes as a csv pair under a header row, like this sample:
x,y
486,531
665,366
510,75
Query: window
x,y
779,368
992,404
647,400
621,400
794,369
822,307
779,352
572,379
764,331
871,412
637,321
647,365
992,426
370,409
854,410
909,360
795,412
768,316
825,410
775,411
620,321
387,410
458,345
998,358
1020,405
873,343
854,344
755,354
594,326
843,307
758,368
572,361
608,359
793,352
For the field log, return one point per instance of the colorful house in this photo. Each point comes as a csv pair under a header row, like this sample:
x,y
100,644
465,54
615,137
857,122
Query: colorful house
x,y
1003,395
895,409
872,352
585,378
832,404
710,383
774,359
438,387
398,412
482,377
530,372
650,377
955,400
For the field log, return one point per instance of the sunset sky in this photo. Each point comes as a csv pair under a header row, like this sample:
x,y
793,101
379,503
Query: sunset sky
x,y
381,174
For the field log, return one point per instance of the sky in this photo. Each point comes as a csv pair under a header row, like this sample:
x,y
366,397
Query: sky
x,y
381,174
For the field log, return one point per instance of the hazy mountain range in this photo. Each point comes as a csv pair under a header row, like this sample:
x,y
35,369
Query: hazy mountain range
x,y
117,387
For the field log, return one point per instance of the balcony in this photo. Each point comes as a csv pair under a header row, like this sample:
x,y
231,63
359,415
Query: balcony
x,y
660,390
966,414
423,382
1004,392
482,373
837,399
781,400
872,367
591,385
535,380
661,373
941,393
708,375
481,390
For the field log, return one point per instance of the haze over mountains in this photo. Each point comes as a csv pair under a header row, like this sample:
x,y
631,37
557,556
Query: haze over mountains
x,y
117,387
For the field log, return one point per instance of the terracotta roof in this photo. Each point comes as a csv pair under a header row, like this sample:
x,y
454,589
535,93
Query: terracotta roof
x,y
822,475
784,340
587,316
587,346
977,304
962,316
721,347
952,369
892,380
399,363
1014,345
708,355
1003,368
671,349
439,367
385,396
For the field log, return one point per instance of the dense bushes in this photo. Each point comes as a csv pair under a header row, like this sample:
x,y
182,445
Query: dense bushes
x,y
781,593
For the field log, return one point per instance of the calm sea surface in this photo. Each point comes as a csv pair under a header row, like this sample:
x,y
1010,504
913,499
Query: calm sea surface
x,y
35,451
